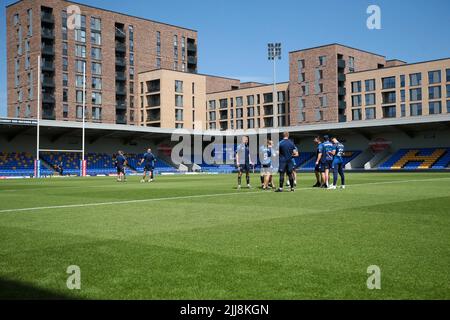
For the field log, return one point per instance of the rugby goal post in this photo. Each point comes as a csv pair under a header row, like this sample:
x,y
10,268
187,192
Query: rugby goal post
x,y
37,162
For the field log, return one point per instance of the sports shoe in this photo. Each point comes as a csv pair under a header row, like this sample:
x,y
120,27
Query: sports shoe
x,y
249,186
324,186
317,185
343,187
279,190
295,183
292,189
151,180
239,187
332,188
142,181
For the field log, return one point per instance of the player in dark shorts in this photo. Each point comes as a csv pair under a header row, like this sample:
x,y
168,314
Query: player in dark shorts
x,y
149,165
325,159
318,142
338,163
286,150
243,161
121,162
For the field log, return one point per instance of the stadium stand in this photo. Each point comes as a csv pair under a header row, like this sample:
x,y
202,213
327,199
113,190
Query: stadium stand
x,y
421,158
311,162
160,165
19,164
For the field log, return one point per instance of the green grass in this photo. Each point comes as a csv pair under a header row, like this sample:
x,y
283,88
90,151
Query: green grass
x,y
311,244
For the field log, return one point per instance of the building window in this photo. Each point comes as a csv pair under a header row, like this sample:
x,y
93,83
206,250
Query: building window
x,y
356,86
223,103
402,81
415,109
305,89
96,24
370,113
250,100
158,44
96,83
415,79
389,112
17,113
389,97
79,113
65,111
96,68
239,102
370,85
323,101
434,76
96,53
79,81
322,60
301,64
79,66
448,90
158,63
16,19
434,92
403,110
64,25
65,48
415,94
212,104
388,83
370,99
79,96
30,22
178,86
319,115
448,106
435,107
65,64
356,100
178,100
97,113
65,95
28,111
96,98
356,114
80,35
178,114
80,51
96,38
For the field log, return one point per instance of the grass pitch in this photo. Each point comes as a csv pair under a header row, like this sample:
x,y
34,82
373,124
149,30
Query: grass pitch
x,y
197,237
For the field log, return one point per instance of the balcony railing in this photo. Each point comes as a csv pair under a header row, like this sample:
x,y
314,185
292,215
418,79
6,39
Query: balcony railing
x,y
47,33
121,76
342,105
192,60
341,63
121,105
48,98
47,17
191,47
121,119
48,66
48,82
48,50
121,47
341,77
120,34
121,61
341,91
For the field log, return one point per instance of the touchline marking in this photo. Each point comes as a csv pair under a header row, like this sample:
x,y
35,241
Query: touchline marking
x,y
95,204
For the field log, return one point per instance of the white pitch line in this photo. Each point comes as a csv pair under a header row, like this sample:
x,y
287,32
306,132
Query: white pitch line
x,y
196,196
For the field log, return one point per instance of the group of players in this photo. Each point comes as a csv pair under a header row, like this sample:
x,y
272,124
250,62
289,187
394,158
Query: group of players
x,y
329,156
148,160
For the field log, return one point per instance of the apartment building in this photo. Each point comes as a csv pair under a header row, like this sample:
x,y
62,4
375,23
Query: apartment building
x,y
317,81
112,47
249,107
399,90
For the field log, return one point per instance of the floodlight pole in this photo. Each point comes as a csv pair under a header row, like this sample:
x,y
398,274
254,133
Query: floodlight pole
x,y
274,52
83,164
37,164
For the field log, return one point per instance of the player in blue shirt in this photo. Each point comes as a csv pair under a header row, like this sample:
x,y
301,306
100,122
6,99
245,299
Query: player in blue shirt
x,y
325,159
149,165
294,170
243,161
266,154
318,142
121,162
286,151
338,163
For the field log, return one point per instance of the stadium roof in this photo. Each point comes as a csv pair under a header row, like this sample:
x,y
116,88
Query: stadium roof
x,y
94,131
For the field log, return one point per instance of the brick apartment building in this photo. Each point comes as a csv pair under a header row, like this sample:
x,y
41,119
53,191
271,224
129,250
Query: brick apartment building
x,y
114,48
142,72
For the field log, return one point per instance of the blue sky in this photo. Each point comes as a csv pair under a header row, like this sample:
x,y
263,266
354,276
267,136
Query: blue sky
x,y
233,34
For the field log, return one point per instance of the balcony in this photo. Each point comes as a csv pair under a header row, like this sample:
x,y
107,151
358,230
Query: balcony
x,y
47,66
48,82
342,104
48,50
341,77
342,118
121,119
48,114
120,34
121,105
47,17
192,60
121,47
341,64
191,47
48,98
121,76
47,33
341,91
121,90
121,62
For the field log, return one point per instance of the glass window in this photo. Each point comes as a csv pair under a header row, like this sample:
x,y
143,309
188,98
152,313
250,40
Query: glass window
x,y
80,51
322,60
65,80
370,99
415,79
96,38
96,83
388,83
356,114
415,94
434,76
80,35
448,91
434,92
239,101
448,106
370,85
79,81
356,100
178,100
403,110
435,107
402,81
402,95
79,96
448,75
96,24
65,63
79,66
96,68
301,64
96,53
178,86
415,109
251,99
356,86
179,114
96,98
223,103
389,112
370,113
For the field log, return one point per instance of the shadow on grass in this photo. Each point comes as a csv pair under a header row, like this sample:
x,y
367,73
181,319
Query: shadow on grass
x,y
16,290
